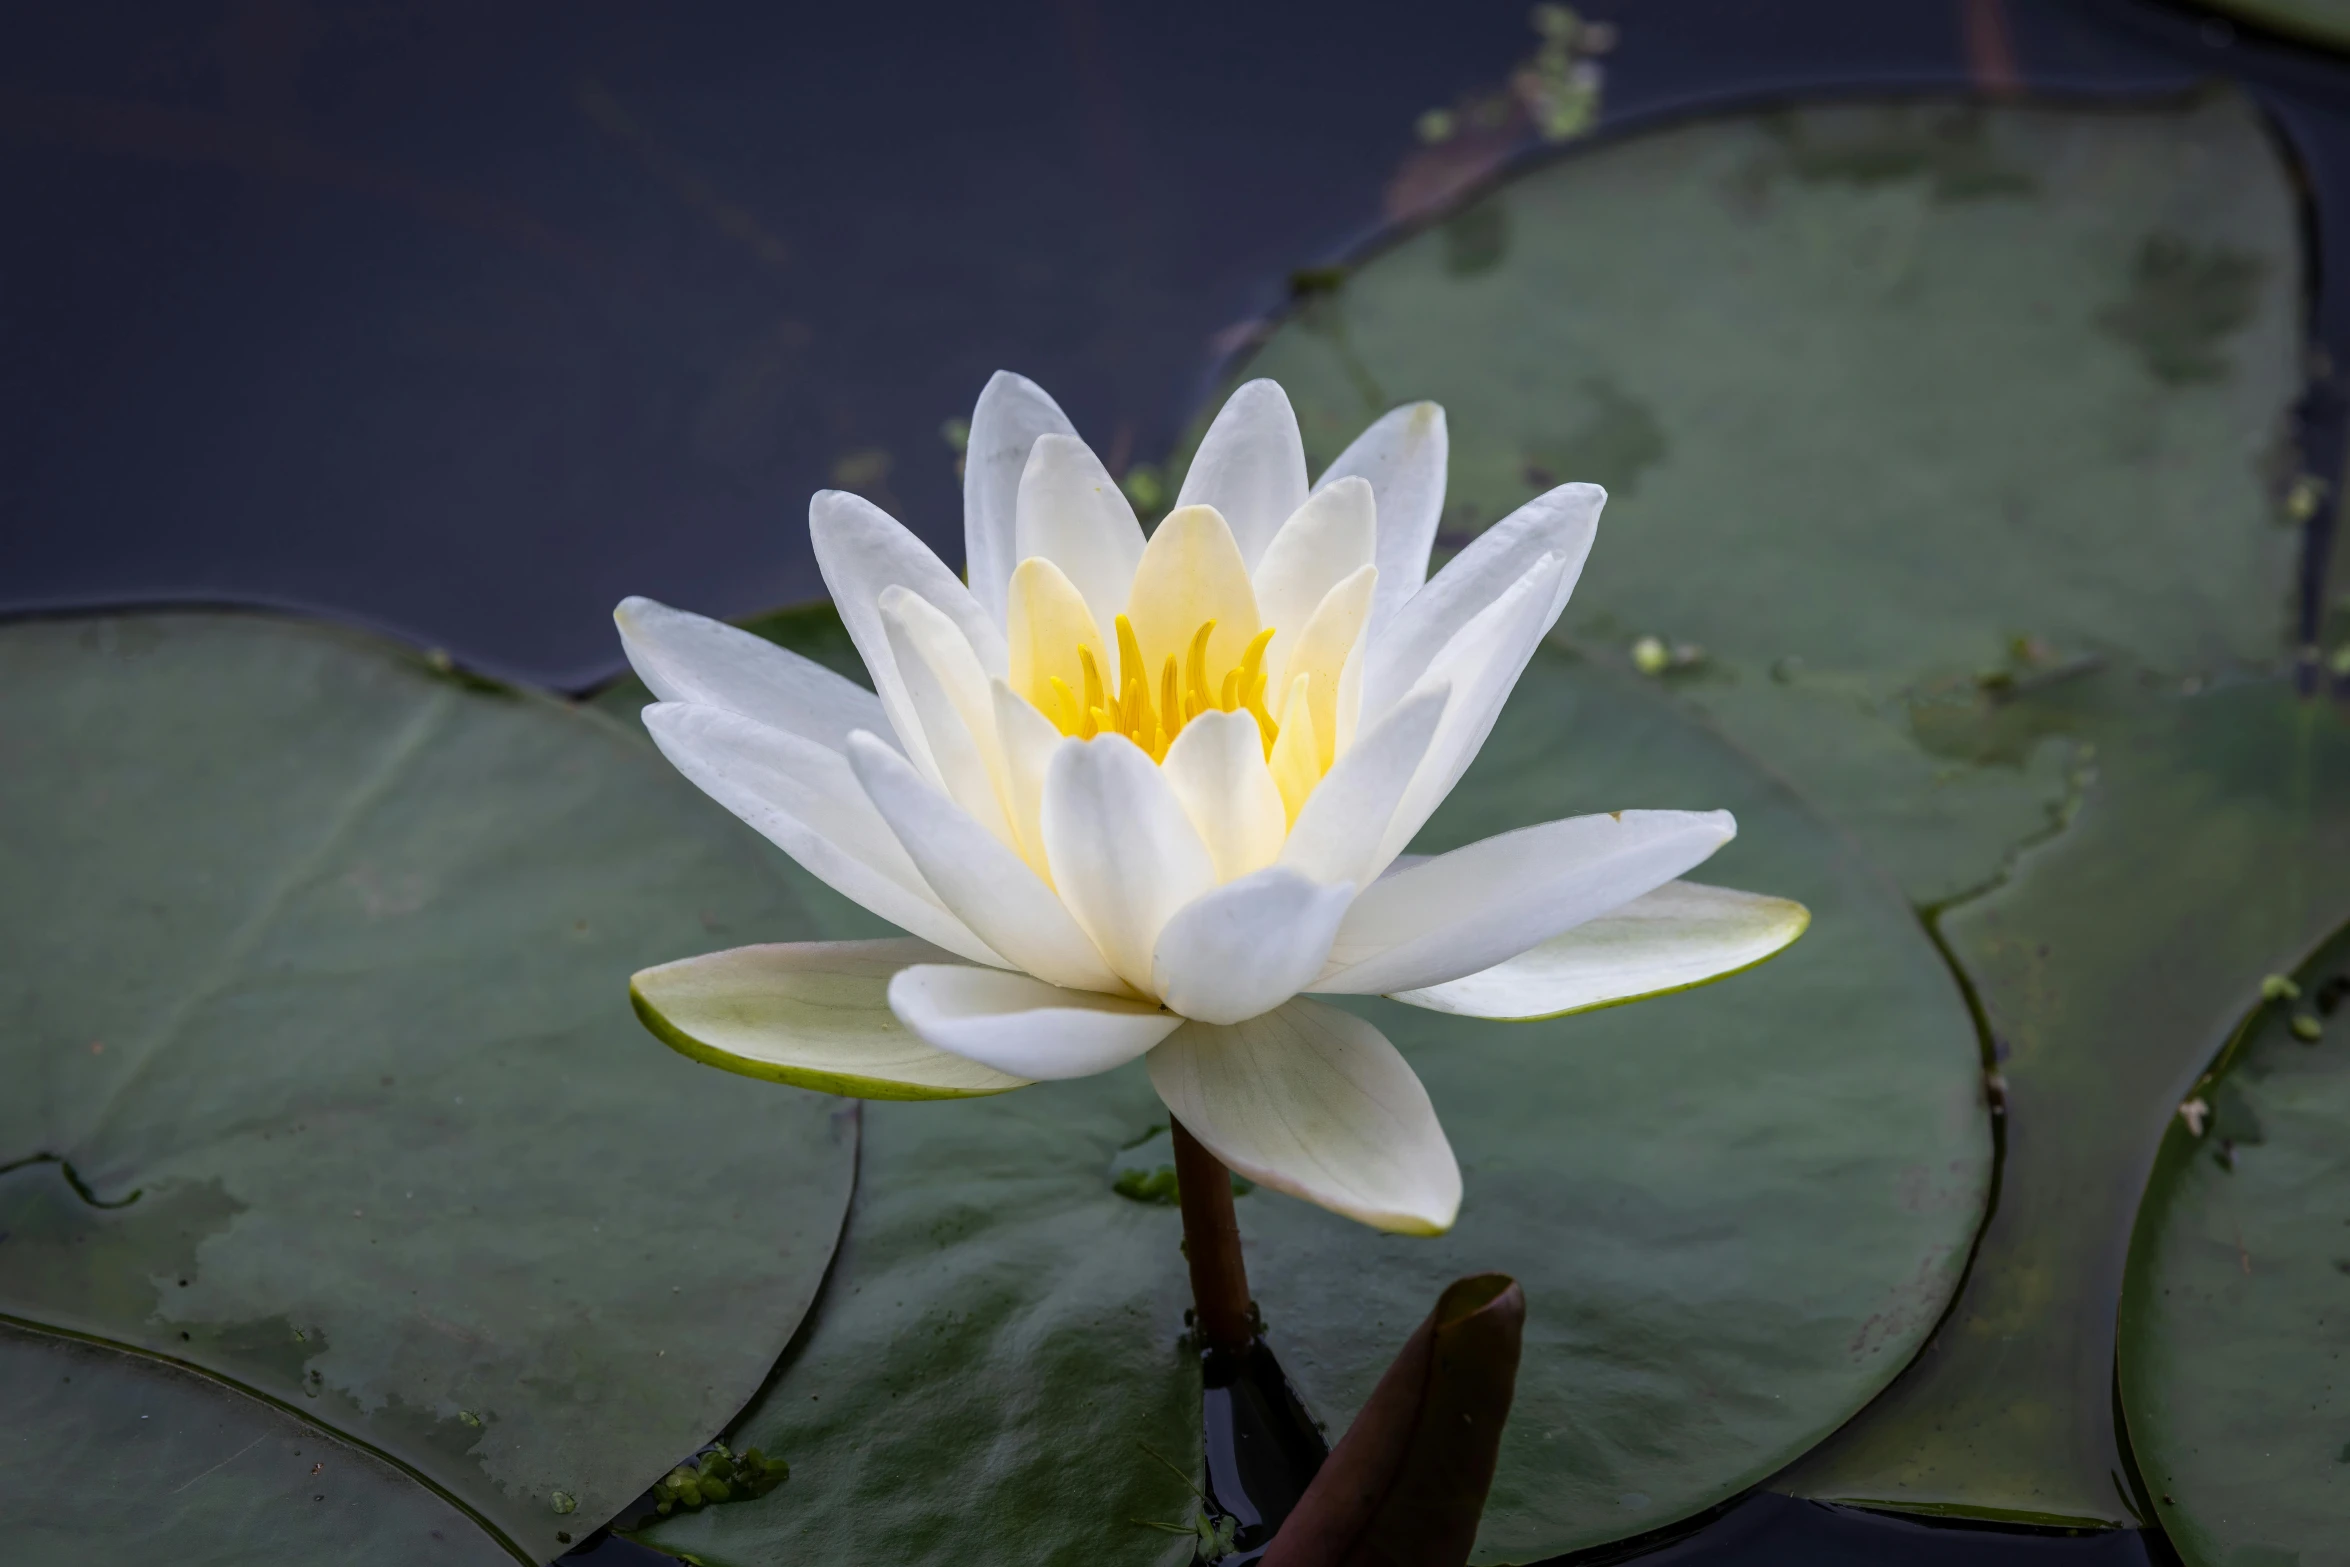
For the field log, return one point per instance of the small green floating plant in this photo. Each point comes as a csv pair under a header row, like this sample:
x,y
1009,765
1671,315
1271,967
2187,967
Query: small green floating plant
x,y
1142,797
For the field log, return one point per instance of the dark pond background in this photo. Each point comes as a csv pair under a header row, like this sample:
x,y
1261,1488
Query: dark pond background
x,y
465,320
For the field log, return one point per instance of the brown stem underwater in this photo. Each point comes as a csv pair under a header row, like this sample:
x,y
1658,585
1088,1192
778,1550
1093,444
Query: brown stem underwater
x,y
1211,1242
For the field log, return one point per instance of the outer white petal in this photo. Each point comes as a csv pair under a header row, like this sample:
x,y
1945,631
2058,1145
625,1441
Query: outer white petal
x,y
683,657
815,1015
802,797
1022,1026
949,696
1465,911
1123,854
1251,466
978,876
1560,522
1482,664
1248,946
1403,455
1315,1102
1338,834
1681,935
1332,536
863,552
1012,412
1217,769
1073,513
1029,741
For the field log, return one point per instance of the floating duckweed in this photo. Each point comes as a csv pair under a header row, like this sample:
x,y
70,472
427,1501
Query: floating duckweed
x,y
956,433
2276,987
1650,656
718,1476
2307,1028
470,1418
563,1502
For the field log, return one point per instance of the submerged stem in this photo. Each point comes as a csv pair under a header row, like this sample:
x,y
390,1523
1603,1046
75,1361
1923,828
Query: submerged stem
x,y
1211,1242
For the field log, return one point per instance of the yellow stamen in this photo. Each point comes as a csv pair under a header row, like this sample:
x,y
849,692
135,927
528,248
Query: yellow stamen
x,y
1171,715
1130,664
1095,696
1196,688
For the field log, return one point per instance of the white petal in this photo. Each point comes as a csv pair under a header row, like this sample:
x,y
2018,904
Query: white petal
x,y
1481,664
975,874
950,698
815,1015
1123,854
1251,466
1403,455
1344,821
1332,536
863,552
1029,741
1561,522
1022,1026
683,657
1468,910
1217,769
802,797
1074,515
1315,1102
1012,412
1248,946
1681,935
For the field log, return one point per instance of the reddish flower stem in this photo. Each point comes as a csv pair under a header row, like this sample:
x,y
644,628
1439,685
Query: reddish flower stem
x,y
1211,1243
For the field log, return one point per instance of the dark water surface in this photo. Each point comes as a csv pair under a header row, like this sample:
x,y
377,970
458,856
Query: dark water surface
x,y
465,321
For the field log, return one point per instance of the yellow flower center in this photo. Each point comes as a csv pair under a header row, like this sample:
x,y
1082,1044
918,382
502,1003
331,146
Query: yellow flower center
x,y
1189,640
1152,713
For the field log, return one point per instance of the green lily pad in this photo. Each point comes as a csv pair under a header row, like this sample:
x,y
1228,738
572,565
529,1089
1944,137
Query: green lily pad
x,y
1946,444
1736,1212
118,1458
2234,1377
2313,21
2213,836
317,1009
1889,398
997,1370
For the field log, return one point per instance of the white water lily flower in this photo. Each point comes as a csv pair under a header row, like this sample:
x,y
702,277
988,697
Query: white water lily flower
x,y
1132,797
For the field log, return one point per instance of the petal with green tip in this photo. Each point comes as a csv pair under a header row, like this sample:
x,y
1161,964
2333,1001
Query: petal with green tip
x,y
813,1014
1682,935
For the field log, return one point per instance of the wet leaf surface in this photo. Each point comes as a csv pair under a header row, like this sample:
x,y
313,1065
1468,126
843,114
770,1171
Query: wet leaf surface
x,y
2235,1376
318,1009
997,1366
1945,443
111,1457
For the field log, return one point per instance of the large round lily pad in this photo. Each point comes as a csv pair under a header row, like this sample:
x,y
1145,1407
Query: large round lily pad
x,y
1736,1211
2235,1322
316,1006
115,1458
1950,438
